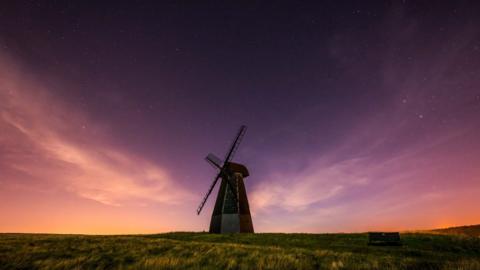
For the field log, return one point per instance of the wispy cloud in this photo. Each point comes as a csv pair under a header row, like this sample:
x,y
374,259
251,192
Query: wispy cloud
x,y
399,159
295,191
47,143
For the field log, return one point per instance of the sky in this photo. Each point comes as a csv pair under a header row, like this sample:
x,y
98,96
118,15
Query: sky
x,y
361,116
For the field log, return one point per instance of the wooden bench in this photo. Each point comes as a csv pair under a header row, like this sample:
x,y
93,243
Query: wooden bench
x,y
384,239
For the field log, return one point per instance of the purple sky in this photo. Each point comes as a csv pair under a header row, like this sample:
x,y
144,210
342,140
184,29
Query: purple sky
x,y
361,115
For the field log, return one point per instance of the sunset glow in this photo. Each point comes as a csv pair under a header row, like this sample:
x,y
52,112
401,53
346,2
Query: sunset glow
x,y
372,125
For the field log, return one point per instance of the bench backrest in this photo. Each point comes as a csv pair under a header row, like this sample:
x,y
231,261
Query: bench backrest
x,y
386,238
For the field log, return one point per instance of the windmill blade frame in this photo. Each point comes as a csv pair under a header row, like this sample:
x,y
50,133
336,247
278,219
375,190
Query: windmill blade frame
x,y
235,145
200,206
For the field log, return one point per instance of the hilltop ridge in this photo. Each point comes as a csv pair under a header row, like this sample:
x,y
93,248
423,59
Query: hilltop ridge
x,y
468,230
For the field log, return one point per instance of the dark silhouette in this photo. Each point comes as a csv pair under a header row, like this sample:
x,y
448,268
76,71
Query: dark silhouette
x,y
384,239
231,213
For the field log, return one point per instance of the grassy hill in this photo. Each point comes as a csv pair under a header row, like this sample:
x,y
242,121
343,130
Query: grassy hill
x,y
240,251
472,230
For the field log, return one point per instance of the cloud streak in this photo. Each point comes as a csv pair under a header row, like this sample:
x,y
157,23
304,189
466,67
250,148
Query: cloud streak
x,y
46,139
399,160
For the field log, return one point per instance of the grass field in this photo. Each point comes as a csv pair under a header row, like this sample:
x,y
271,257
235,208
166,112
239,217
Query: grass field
x,y
240,251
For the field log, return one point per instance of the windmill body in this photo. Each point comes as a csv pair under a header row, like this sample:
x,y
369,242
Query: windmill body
x,y
231,213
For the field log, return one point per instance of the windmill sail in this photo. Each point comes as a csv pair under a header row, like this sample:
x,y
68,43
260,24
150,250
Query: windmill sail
x,y
200,207
214,160
235,144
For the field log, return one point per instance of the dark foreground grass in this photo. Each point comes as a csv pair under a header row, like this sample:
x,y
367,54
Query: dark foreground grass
x,y
245,251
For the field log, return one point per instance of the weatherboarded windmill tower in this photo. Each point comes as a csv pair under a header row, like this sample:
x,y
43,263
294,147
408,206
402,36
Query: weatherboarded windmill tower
x,y
231,213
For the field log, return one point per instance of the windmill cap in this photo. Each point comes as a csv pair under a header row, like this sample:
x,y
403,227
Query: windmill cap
x,y
236,167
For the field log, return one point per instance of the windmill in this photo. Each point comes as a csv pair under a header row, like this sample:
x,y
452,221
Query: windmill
x,y
231,213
